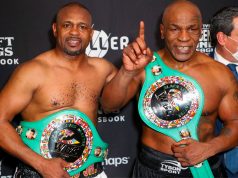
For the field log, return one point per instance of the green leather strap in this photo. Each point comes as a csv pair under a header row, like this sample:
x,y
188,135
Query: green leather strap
x,y
68,134
171,103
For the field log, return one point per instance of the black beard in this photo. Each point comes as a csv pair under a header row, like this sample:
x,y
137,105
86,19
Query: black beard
x,y
72,53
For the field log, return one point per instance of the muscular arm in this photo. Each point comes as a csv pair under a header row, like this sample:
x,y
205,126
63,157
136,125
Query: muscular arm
x,y
127,81
228,112
119,90
195,152
14,97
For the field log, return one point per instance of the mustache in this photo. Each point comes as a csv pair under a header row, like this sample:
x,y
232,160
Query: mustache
x,y
73,38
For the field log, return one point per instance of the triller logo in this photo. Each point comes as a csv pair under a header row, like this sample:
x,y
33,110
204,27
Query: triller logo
x,y
101,43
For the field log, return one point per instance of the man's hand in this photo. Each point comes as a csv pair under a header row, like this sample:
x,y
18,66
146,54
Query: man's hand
x,y
137,55
190,152
54,168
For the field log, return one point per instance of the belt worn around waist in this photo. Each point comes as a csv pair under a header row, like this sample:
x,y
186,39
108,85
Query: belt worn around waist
x,y
68,134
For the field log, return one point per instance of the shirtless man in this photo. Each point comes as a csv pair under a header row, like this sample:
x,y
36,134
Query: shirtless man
x,y
59,79
181,30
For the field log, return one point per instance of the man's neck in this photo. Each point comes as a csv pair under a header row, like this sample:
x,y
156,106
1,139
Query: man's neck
x,y
70,61
175,64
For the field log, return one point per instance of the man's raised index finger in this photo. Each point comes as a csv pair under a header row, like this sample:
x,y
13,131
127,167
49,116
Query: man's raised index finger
x,y
142,30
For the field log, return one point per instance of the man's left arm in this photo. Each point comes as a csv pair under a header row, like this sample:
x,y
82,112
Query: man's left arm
x,y
195,152
228,113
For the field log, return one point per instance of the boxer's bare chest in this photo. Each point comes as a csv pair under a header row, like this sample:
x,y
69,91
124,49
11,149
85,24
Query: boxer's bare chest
x,y
64,90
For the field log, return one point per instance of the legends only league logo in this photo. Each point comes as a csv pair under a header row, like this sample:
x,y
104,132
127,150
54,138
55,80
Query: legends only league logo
x,y
67,142
204,44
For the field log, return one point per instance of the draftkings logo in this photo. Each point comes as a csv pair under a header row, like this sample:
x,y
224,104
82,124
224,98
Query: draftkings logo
x,y
111,118
105,117
6,51
101,42
204,44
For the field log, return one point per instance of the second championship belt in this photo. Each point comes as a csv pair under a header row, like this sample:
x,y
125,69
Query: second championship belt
x,y
171,103
68,134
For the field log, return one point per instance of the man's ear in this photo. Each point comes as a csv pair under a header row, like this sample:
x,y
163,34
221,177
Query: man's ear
x,y
162,31
221,38
54,29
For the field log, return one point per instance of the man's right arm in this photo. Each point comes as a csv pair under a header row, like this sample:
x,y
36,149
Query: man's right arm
x,y
119,90
14,97
128,79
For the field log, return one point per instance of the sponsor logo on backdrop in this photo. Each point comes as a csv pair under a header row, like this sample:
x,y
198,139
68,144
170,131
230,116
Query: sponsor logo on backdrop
x,y
118,118
116,161
106,117
6,51
204,44
102,42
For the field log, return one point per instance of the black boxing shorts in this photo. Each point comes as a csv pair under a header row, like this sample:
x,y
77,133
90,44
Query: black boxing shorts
x,y
25,171
154,164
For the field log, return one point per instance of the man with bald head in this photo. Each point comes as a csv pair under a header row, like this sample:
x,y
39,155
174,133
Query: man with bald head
x,y
181,97
57,96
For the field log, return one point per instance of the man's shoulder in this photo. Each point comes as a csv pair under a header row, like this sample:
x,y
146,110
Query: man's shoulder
x,y
33,67
103,68
97,60
212,68
208,61
100,63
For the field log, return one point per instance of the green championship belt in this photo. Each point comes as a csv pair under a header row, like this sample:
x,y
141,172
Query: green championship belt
x,y
171,103
68,134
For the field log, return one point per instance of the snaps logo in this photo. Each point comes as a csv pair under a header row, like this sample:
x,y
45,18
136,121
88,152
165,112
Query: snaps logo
x,y
172,167
204,44
116,161
6,51
101,43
